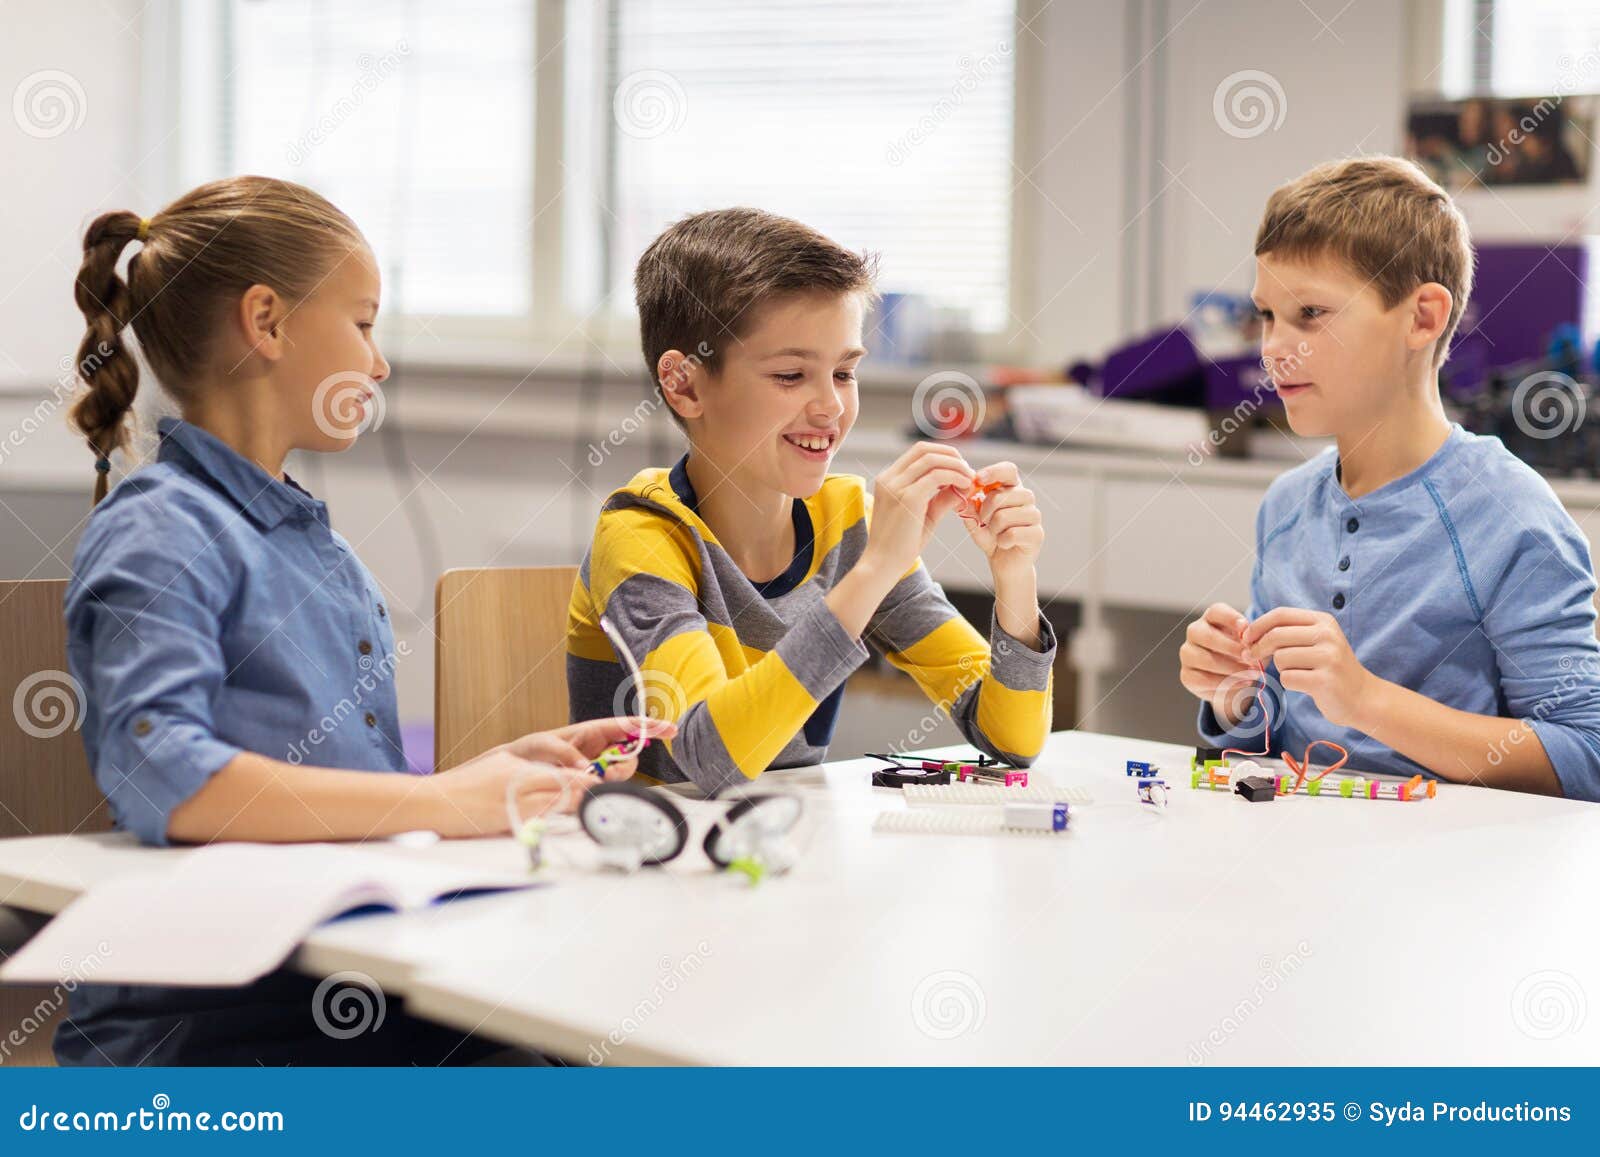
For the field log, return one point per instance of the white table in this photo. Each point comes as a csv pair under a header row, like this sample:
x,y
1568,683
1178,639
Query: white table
x,y
1453,931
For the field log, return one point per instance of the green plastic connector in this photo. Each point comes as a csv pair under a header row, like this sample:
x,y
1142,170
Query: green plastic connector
x,y
752,869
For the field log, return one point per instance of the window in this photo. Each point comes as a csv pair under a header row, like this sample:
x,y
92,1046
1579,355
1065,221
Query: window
x,y
1521,47
416,119
886,126
501,189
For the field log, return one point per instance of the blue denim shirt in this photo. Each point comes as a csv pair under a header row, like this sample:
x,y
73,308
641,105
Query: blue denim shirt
x,y
1465,581
212,609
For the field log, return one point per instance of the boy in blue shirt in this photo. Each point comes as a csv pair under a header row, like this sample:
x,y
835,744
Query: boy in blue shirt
x,y
1419,596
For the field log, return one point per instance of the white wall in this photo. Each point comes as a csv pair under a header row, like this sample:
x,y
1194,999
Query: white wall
x,y
1343,92
1131,210
52,187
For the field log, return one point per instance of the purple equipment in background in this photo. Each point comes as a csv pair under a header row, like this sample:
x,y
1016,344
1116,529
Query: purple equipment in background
x,y
1166,366
1520,295
1163,366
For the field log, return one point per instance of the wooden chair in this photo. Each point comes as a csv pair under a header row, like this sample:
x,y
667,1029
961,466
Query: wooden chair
x,y
45,784
500,659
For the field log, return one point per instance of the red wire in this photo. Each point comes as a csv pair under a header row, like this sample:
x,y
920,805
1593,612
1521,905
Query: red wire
x,y
1303,765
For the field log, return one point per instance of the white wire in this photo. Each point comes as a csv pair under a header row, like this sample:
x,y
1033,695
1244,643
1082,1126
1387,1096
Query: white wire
x,y
564,780
638,742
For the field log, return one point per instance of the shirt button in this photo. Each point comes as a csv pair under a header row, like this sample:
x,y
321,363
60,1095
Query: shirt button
x,y
364,647
372,720
1344,563
383,612
1352,526
1338,602
141,727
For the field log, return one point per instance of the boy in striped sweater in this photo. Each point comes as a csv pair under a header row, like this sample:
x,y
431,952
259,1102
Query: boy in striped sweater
x,y
747,580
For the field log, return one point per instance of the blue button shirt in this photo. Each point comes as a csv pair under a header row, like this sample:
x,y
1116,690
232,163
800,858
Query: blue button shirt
x,y
1465,581
212,610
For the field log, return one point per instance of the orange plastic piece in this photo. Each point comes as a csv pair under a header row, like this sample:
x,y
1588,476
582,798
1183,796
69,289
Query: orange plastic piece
x,y
973,499
982,490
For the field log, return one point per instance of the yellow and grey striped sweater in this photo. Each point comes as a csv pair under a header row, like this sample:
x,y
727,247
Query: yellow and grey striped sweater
x,y
753,673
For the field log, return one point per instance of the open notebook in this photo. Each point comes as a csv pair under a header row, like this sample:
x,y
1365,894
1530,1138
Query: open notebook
x,y
228,914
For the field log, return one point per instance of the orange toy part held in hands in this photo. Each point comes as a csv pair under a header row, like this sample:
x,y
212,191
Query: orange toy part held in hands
x,y
972,499
1302,766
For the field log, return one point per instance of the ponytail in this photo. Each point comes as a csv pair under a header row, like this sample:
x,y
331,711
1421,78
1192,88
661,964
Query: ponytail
x,y
200,253
104,362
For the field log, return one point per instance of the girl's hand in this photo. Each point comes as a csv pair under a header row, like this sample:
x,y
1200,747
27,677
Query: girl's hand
x,y
470,799
577,745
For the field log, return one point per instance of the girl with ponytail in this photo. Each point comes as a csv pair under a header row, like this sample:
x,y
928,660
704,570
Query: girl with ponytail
x,y
237,659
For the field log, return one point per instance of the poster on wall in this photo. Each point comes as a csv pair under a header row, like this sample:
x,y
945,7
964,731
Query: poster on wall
x,y
1536,140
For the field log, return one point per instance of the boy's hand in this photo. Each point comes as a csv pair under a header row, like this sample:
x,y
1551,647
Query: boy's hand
x,y
1314,657
1213,665
1007,525
909,499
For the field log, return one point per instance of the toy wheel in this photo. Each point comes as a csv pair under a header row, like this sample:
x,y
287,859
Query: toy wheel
x,y
626,815
747,823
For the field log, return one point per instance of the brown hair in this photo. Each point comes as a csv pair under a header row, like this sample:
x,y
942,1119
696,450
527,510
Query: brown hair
x,y
700,283
1386,219
199,254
